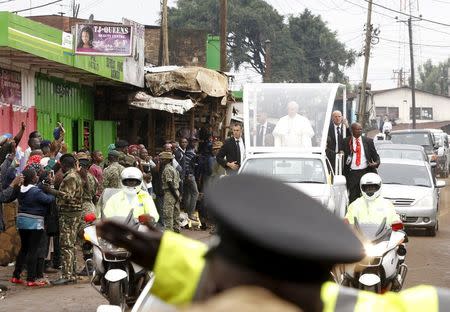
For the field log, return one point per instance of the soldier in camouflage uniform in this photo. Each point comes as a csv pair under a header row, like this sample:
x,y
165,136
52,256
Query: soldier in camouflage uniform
x,y
111,174
69,200
170,184
122,148
90,186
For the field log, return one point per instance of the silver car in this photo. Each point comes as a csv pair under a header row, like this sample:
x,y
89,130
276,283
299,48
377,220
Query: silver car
x,y
308,173
410,186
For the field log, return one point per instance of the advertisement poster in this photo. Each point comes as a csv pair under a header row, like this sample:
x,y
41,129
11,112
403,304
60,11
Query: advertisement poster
x,y
10,87
112,40
133,67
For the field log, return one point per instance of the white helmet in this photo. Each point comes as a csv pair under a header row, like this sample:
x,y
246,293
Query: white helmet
x,y
131,179
370,185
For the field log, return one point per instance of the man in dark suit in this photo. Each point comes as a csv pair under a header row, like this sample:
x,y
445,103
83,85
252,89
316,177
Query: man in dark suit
x,y
360,157
232,153
263,129
337,133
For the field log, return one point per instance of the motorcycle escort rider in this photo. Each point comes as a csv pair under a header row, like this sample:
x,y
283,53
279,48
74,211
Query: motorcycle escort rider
x,y
371,207
131,196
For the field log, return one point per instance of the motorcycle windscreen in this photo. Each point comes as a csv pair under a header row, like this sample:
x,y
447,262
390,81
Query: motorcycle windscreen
x,y
288,117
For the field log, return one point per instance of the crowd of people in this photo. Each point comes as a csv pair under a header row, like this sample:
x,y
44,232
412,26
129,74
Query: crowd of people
x,y
55,190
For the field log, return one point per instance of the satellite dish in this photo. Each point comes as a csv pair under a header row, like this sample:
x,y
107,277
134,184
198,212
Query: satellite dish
x,y
91,18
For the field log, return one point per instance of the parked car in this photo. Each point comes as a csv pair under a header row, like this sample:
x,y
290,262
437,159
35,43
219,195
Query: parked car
x,y
308,173
423,137
410,186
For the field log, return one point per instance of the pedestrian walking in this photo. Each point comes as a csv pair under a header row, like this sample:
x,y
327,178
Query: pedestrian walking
x,y
111,174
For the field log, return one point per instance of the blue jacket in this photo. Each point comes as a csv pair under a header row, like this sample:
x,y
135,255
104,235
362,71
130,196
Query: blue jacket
x,y
33,200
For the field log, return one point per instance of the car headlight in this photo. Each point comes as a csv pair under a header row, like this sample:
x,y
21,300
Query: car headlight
x,y
425,201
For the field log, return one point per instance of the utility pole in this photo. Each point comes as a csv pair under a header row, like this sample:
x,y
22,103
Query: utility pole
x,y
165,36
268,61
362,98
413,78
223,35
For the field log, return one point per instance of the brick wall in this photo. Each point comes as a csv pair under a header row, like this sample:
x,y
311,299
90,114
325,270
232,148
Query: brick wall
x,y
152,41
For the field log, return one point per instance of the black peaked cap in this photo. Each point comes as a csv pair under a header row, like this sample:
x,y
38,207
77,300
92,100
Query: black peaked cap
x,y
271,227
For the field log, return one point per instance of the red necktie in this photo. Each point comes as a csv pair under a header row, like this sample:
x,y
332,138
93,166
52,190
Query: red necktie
x,y
358,152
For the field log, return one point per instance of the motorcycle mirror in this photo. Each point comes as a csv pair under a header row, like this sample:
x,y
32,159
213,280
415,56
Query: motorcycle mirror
x,y
397,226
145,218
90,217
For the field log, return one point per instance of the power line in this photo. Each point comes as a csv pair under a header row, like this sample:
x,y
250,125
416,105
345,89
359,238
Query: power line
x,y
363,7
6,1
38,6
417,44
409,15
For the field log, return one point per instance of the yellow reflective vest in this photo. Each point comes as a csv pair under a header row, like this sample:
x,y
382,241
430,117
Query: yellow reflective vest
x,y
180,262
118,205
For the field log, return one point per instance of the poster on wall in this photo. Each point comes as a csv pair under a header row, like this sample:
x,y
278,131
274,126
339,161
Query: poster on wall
x,y
133,67
112,40
10,87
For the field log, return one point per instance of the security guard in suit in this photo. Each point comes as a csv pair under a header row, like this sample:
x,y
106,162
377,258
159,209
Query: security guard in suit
x,y
271,236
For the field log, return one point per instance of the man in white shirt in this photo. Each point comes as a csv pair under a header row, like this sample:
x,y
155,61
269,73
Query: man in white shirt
x,y
232,153
293,130
263,129
360,157
337,133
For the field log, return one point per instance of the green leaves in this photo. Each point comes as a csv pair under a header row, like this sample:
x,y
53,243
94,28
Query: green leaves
x,y
433,78
303,50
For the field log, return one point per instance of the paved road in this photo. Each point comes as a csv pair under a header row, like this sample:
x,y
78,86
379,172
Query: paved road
x,y
427,259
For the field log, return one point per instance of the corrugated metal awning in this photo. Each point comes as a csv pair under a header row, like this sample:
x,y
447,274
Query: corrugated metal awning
x,y
171,105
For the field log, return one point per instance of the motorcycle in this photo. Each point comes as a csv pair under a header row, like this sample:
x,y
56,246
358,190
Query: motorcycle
x,y
384,268
114,276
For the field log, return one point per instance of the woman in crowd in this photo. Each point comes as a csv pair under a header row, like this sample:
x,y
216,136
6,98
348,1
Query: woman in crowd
x,y
33,206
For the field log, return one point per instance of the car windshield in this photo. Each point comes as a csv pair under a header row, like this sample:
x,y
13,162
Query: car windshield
x,y
289,170
415,138
404,154
404,174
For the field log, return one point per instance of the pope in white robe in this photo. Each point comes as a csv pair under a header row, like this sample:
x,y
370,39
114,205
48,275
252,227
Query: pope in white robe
x,y
293,130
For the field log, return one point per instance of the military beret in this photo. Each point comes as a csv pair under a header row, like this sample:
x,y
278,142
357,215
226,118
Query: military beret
x,y
128,161
217,145
165,155
272,228
82,155
121,143
114,153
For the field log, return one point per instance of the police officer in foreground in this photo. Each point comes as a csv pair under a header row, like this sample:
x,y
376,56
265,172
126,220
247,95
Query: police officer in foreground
x,y
270,236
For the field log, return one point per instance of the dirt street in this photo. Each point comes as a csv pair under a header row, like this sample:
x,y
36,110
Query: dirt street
x,y
427,260
71,298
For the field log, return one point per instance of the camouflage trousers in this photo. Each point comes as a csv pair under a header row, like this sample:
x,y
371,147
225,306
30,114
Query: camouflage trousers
x,y
86,247
171,212
68,226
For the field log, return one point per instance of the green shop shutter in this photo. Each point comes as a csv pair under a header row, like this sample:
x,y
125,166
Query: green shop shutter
x,y
105,132
45,125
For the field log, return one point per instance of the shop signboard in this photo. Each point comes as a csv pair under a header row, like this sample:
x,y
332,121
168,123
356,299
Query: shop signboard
x,y
97,39
10,87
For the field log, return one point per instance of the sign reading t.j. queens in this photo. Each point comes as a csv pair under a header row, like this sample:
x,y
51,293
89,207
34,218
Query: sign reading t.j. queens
x,y
113,40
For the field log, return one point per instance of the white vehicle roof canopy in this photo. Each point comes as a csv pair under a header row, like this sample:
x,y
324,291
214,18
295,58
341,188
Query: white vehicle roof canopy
x,y
296,116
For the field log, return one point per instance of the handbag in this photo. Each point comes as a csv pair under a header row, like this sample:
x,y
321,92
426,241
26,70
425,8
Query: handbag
x,y
51,220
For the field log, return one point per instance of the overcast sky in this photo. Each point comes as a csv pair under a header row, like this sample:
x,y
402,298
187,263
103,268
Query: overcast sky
x,y
346,17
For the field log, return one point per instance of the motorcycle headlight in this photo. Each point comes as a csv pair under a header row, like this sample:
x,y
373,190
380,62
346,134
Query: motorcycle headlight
x,y
425,201
108,247
373,250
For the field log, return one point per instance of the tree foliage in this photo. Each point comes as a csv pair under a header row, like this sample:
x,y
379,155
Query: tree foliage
x,y
303,49
434,78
